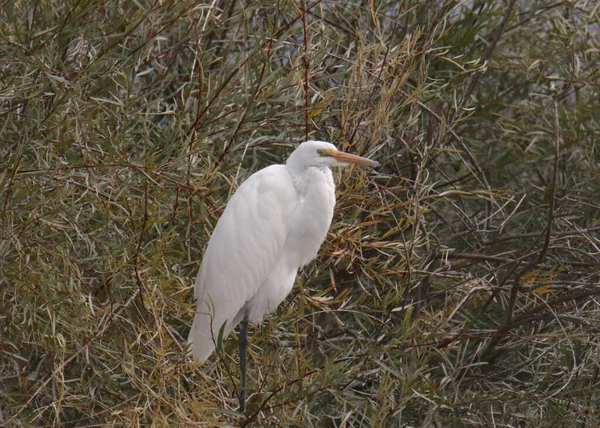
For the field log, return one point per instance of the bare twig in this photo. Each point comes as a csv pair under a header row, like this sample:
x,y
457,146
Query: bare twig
x,y
477,75
547,235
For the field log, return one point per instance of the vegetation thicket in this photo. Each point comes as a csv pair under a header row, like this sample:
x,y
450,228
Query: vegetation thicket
x,y
459,282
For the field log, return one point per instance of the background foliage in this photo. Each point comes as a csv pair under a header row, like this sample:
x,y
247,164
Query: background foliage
x,y
458,285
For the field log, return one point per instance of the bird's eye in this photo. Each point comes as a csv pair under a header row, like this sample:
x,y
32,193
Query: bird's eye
x,y
321,152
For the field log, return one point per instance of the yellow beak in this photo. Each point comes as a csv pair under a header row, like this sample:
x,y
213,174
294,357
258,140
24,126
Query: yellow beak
x,y
352,159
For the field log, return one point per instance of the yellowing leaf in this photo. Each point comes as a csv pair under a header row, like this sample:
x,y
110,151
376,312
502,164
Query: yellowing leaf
x,y
318,107
545,289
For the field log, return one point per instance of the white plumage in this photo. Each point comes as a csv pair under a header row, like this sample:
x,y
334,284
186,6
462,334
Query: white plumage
x,y
274,224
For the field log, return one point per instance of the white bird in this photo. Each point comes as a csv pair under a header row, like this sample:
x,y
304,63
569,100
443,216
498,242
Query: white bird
x,y
273,225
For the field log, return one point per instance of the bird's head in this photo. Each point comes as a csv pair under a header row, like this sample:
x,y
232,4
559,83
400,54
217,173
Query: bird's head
x,y
322,154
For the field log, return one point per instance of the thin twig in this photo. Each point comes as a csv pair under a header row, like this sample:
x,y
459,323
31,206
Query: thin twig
x,y
306,62
477,75
548,234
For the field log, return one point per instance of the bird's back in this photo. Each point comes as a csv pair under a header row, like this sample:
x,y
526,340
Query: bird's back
x,y
307,231
242,251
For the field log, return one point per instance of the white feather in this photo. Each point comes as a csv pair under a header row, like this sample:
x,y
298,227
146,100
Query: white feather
x,y
274,224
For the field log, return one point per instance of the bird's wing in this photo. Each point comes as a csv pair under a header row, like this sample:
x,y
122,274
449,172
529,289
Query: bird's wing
x,y
243,250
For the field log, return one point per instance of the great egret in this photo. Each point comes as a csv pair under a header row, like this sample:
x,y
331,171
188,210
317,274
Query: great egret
x,y
274,224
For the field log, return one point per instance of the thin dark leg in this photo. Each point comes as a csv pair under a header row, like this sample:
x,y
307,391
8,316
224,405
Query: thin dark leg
x,y
243,348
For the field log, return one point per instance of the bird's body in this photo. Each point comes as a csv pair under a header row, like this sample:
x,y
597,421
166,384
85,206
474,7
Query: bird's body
x,y
243,273
308,221
274,224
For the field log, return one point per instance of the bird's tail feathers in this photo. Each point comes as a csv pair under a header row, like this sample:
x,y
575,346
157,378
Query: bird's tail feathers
x,y
207,331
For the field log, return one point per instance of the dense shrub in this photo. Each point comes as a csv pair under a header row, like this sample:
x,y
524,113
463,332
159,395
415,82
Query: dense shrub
x,y
459,283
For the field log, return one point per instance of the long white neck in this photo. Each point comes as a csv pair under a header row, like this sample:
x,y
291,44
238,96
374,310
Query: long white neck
x,y
317,190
